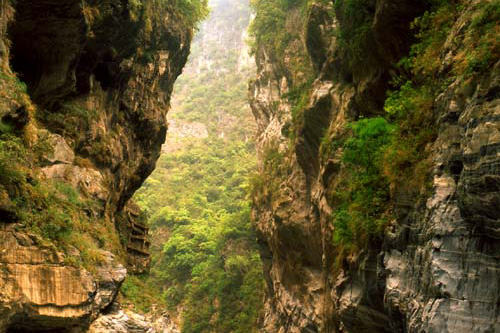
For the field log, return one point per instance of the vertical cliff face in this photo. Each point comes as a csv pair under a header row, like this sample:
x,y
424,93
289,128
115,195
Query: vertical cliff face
x,y
429,263
85,91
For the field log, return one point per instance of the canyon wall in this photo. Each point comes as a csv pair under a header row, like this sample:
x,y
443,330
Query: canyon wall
x,y
85,91
432,266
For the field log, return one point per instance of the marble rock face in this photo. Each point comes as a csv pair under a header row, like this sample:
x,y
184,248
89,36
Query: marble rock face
x,y
437,268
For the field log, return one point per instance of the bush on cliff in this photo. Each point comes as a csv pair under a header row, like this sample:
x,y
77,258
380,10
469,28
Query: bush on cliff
x,y
362,198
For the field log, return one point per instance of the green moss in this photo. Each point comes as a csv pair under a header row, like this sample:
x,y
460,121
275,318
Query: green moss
x,y
13,92
298,97
13,156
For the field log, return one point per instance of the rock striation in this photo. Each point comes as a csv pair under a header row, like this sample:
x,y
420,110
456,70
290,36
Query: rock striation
x,y
436,268
40,292
93,78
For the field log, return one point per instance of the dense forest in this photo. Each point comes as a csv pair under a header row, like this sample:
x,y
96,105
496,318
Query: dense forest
x,y
205,263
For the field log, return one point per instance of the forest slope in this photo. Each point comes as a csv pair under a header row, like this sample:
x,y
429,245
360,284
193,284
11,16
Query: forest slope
x,y
205,265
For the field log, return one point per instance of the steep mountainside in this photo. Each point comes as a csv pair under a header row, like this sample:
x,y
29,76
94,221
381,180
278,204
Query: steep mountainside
x,y
85,87
378,195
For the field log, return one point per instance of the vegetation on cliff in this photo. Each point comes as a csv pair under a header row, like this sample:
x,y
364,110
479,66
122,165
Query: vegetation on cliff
x,y
379,167
59,210
52,209
379,154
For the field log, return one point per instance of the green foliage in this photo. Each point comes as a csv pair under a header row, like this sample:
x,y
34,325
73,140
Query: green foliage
x,y
188,14
272,29
226,91
298,97
268,26
362,198
265,183
192,10
13,88
141,292
205,263
209,264
135,9
12,156
406,160
5,128
432,30
482,39
402,163
363,150
225,81
277,31
481,45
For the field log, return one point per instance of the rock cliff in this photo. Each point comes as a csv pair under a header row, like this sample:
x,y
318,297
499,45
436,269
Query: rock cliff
x,y
434,265
85,90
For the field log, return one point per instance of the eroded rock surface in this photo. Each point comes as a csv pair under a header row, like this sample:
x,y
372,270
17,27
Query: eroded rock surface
x,y
92,80
437,267
40,292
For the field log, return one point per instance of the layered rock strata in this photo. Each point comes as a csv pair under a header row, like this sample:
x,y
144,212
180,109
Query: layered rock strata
x,y
436,268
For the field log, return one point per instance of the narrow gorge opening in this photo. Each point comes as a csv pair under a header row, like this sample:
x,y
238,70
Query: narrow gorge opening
x,y
367,200
205,266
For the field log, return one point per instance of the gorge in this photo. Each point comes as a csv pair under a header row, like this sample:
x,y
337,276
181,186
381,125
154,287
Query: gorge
x,y
363,197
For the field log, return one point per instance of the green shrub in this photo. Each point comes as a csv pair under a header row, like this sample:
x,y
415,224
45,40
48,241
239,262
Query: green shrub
x,y
52,209
298,97
137,290
268,26
482,44
405,160
191,11
362,198
13,158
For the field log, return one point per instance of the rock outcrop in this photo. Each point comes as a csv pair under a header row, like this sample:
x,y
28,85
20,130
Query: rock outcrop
x,y
435,268
91,82
41,292
121,321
